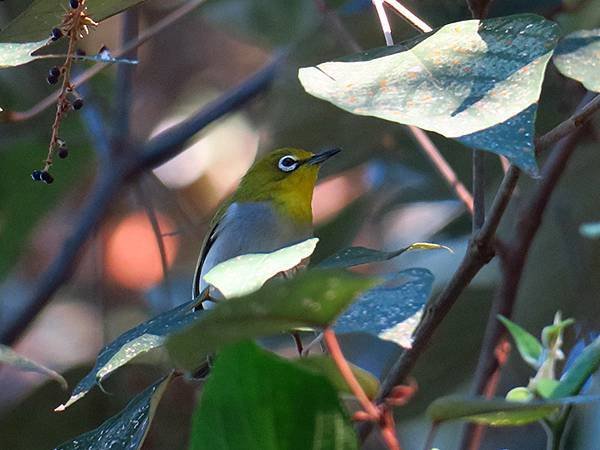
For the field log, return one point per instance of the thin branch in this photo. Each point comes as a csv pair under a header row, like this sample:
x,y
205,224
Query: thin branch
x,y
383,20
125,168
344,368
442,167
409,16
124,94
146,202
147,34
478,158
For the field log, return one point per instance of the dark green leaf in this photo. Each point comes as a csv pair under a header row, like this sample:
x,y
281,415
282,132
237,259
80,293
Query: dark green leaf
x,y
143,338
355,256
246,273
577,56
476,81
326,367
576,376
255,400
126,430
9,356
30,30
311,299
391,311
528,345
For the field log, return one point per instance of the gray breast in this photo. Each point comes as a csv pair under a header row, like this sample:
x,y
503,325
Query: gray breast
x,y
251,228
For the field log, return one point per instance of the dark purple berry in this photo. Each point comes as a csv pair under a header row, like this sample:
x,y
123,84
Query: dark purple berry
x,y
80,52
51,80
47,178
54,72
77,104
74,3
56,34
63,152
36,175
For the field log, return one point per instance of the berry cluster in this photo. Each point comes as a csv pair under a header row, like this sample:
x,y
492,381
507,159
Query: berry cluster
x,y
75,25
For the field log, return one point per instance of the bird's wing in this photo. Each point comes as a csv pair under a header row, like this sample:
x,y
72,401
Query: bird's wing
x,y
209,240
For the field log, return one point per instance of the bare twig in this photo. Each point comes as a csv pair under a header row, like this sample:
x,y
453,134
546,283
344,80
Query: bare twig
x,y
409,16
442,167
478,190
144,36
124,168
146,202
383,20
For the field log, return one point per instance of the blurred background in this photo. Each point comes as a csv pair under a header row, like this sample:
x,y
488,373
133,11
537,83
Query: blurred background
x,y
381,192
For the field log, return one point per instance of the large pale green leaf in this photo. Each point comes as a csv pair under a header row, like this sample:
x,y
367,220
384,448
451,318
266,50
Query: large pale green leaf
x,y
30,30
391,311
577,56
355,256
476,81
312,299
126,430
255,400
247,273
143,338
530,348
582,369
326,366
9,356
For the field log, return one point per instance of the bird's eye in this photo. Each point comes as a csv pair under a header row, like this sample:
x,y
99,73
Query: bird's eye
x,y
288,163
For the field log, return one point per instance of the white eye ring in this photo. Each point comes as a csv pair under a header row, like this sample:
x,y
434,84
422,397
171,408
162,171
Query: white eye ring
x,y
288,163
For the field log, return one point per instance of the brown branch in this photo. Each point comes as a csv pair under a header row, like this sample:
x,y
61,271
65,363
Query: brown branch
x,y
144,36
479,253
529,219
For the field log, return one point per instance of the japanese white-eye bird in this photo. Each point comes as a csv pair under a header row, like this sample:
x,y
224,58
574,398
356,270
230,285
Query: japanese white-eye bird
x,y
271,209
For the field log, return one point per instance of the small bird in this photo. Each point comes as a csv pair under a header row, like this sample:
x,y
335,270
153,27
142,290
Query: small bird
x,y
271,209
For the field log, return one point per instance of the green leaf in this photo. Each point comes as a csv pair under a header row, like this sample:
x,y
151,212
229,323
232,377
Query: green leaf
x,y
552,332
255,400
143,338
528,345
545,387
247,273
9,356
355,256
495,412
475,81
391,311
311,299
327,367
126,430
499,412
590,230
576,376
577,56
30,30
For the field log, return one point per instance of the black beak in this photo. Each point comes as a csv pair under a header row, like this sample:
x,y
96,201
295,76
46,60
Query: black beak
x,y
323,156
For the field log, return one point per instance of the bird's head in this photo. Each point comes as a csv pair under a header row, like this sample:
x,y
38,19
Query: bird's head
x,y
286,177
